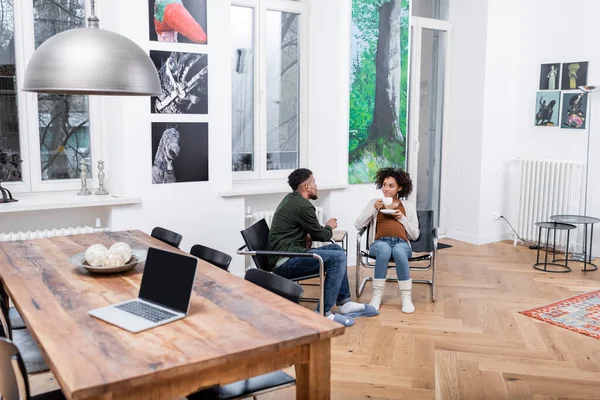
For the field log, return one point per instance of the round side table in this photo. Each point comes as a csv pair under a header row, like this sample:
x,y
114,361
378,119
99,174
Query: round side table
x,y
553,226
585,221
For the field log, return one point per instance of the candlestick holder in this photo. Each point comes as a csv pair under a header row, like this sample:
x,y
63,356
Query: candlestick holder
x,y
83,176
101,176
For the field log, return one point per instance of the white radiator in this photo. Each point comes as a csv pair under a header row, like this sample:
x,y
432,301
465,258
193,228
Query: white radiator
x,y
547,187
48,233
268,215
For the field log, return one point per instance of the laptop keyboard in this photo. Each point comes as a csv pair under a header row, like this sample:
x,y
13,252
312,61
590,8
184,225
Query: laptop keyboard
x,y
145,311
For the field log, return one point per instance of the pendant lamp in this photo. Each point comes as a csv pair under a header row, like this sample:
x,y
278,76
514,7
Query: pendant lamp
x,y
91,61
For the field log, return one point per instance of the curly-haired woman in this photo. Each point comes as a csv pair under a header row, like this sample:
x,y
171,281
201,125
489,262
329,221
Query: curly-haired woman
x,y
390,232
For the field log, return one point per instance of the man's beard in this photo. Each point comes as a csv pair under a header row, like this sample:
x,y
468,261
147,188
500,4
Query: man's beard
x,y
313,196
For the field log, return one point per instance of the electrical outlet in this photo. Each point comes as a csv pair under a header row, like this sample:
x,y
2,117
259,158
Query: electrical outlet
x,y
496,216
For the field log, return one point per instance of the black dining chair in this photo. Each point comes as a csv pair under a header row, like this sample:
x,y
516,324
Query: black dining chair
x,y
14,384
256,238
167,236
16,320
30,352
212,256
267,382
425,246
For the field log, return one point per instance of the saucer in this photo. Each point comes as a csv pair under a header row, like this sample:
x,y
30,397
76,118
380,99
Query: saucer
x,y
386,211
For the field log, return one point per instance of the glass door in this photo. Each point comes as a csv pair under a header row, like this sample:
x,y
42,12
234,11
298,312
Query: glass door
x,y
426,116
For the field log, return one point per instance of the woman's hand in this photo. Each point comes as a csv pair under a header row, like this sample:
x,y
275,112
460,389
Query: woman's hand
x,y
379,205
398,214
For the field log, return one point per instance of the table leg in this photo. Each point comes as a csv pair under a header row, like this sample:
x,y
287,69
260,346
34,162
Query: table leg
x,y
585,260
591,243
313,380
539,244
547,241
554,247
567,249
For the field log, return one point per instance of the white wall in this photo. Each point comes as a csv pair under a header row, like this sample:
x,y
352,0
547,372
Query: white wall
x,y
464,125
496,58
196,210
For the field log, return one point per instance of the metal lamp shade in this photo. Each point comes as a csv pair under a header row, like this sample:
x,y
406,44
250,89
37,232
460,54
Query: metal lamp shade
x,y
91,61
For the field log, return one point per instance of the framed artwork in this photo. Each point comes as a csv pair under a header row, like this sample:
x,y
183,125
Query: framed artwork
x,y
547,108
574,110
574,74
550,76
184,83
179,152
378,87
178,21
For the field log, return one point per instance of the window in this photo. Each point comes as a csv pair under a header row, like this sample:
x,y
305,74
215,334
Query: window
x,y
47,134
435,9
268,70
63,120
10,146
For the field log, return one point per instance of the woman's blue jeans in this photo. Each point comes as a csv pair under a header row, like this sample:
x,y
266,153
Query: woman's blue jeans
x,y
383,249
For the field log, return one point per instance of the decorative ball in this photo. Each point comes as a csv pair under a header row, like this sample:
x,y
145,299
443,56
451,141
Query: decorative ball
x,y
94,255
122,248
113,259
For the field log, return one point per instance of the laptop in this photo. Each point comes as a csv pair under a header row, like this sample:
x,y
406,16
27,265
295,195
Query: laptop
x,y
165,293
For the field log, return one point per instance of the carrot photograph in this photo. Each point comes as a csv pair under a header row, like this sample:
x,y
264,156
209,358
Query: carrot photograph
x,y
178,21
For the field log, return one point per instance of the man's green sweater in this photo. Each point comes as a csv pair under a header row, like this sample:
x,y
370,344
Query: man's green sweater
x,y
294,218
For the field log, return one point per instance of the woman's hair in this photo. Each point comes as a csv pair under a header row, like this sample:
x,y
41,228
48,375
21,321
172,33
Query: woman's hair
x,y
401,177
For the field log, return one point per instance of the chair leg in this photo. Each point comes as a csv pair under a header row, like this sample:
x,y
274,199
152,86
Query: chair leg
x,y
363,284
358,264
433,268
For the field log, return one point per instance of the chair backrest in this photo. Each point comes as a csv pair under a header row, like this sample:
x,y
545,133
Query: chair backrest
x,y
5,326
257,238
167,236
13,378
215,257
276,284
424,244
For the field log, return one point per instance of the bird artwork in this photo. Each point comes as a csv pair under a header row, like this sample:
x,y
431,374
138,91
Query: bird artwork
x,y
163,170
171,18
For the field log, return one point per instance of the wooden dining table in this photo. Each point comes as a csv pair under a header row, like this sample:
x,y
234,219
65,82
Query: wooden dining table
x,y
234,330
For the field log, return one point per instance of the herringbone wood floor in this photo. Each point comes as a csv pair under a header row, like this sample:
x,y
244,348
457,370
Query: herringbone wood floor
x,y
472,343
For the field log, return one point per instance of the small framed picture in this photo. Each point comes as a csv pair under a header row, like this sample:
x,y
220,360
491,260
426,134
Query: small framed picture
x,y
574,111
550,76
574,74
547,106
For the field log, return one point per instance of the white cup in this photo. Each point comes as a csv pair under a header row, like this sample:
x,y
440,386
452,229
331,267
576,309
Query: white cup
x,y
387,201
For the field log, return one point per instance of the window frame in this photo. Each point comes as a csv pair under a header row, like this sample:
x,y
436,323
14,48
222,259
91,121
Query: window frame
x,y
260,9
27,105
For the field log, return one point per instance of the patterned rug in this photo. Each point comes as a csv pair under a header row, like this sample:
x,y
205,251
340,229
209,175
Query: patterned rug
x,y
579,314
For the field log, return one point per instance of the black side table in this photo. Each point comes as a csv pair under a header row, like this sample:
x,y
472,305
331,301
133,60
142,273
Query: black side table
x,y
552,226
585,221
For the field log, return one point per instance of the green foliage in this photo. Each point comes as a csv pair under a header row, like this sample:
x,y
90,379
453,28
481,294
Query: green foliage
x,y
367,157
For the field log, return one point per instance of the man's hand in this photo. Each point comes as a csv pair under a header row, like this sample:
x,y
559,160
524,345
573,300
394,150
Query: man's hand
x,y
379,205
308,241
332,223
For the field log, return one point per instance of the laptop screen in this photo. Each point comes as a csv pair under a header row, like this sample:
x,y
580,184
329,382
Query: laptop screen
x,y
168,279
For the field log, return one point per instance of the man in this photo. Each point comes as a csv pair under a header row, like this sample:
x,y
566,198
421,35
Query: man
x,y
294,218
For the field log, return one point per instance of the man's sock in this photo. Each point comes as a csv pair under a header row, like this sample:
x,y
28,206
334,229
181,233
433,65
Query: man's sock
x,y
331,317
351,307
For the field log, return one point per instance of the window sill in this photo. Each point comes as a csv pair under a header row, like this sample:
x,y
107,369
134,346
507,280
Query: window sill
x,y
257,189
62,200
